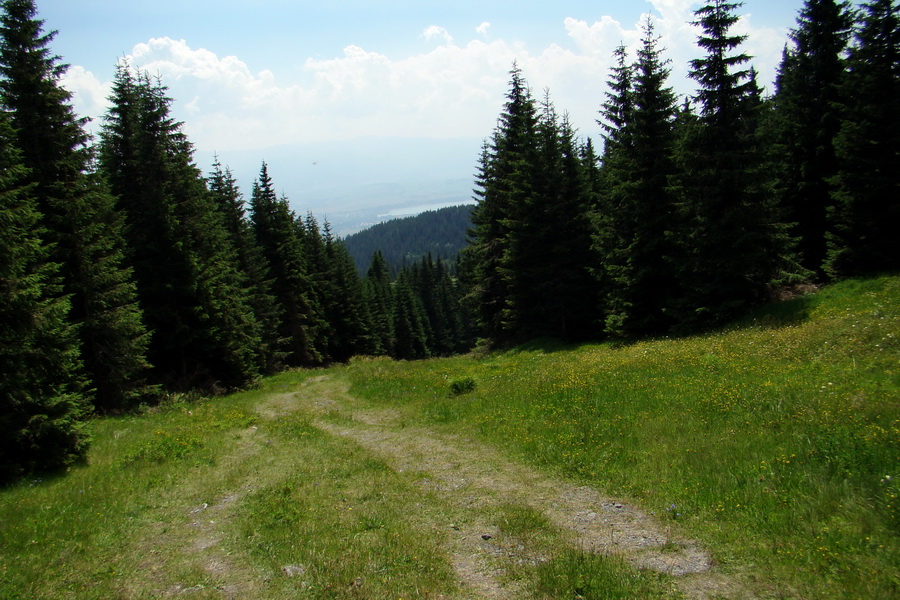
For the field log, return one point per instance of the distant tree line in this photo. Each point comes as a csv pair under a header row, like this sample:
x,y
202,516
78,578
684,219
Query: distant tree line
x,y
696,208
126,274
441,233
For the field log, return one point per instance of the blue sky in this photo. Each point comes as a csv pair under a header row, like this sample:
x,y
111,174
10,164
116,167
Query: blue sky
x,y
248,75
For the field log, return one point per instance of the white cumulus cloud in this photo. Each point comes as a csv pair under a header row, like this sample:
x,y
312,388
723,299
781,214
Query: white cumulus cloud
x,y
433,32
89,94
454,89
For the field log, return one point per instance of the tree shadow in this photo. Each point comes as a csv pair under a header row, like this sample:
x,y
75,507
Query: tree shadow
x,y
778,314
782,312
543,345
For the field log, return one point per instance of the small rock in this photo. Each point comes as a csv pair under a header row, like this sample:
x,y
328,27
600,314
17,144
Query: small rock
x,y
188,590
200,508
486,536
291,570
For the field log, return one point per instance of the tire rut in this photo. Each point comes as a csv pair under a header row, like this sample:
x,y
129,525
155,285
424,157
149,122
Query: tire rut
x,y
476,478
195,533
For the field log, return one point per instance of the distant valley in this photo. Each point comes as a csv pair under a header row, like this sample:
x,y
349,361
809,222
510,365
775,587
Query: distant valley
x,y
354,184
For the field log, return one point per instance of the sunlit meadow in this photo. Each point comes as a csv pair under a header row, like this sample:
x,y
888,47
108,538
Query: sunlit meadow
x,y
776,442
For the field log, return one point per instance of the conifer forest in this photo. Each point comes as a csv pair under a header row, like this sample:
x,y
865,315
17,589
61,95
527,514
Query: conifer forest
x,y
127,274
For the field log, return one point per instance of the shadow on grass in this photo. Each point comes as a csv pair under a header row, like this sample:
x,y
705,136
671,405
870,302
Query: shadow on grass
x,y
785,313
543,345
794,307
777,314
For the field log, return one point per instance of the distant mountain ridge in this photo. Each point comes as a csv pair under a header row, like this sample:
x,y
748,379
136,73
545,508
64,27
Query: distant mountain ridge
x,y
440,232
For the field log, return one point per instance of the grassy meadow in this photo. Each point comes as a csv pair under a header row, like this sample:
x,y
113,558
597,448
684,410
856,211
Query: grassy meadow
x,y
775,443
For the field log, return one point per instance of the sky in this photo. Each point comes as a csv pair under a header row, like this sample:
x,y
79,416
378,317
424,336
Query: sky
x,y
248,76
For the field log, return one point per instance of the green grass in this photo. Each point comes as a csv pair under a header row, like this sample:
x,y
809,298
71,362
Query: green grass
x,y
581,575
342,520
127,524
775,442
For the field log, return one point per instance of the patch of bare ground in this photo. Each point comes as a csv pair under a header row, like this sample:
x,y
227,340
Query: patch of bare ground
x,y
477,480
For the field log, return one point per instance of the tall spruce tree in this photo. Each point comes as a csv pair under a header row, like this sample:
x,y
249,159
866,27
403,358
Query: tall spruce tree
x,y
807,122
349,310
640,207
194,296
505,183
865,217
380,301
732,246
339,293
230,202
42,397
608,245
565,288
278,234
79,214
410,323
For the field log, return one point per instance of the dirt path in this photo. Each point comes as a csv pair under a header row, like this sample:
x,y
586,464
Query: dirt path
x,y
182,546
477,479
473,480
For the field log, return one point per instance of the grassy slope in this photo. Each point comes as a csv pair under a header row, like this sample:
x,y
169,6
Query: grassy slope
x,y
776,443
194,495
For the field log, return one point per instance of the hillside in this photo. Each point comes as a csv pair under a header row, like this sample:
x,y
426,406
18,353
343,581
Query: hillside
x,y
441,232
758,461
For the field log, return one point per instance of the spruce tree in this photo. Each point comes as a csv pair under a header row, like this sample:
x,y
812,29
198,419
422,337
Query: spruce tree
x,y
321,285
277,233
865,217
42,397
338,292
230,202
505,182
443,306
348,314
380,301
409,321
559,292
194,296
618,105
807,122
608,248
733,248
640,207
528,262
79,214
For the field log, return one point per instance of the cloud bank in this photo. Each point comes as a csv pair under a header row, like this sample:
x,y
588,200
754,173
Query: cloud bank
x,y
451,90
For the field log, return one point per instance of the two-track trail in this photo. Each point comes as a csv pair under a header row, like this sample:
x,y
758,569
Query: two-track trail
x,y
476,478
472,481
